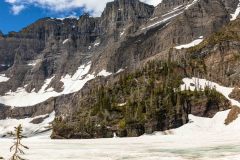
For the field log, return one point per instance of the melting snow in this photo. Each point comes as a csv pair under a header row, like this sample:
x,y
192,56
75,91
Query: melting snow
x,y
120,70
122,33
122,104
104,73
33,63
3,78
96,44
78,80
236,13
192,44
72,84
201,138
29,129
152,19
200,84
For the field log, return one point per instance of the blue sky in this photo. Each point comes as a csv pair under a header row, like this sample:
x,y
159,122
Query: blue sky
x,y
16,14
15,22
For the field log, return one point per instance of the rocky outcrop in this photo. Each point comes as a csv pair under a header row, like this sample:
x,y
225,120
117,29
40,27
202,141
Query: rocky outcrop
x,y
120,38
122,109
232,115
219,54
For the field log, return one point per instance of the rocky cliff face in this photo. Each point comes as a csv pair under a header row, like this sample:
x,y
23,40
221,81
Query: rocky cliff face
x,y
43,60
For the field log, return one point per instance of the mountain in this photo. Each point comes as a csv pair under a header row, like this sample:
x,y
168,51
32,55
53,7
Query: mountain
x,y
122,69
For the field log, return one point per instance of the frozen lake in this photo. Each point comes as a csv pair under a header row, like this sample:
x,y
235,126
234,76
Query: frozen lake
x,y
200,139
157,147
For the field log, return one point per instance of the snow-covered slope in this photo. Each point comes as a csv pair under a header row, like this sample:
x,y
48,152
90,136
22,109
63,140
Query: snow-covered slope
x,y
72,83
207,126
200,84
29,129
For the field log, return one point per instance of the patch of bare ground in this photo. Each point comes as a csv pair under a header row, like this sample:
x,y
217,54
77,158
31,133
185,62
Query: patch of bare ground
x,y
235,94
232,115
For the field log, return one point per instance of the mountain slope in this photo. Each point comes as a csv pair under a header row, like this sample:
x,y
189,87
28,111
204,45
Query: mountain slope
x,y
56,64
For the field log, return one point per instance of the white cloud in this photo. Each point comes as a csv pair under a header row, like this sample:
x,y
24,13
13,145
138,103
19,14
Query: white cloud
x,y
94,6
16,9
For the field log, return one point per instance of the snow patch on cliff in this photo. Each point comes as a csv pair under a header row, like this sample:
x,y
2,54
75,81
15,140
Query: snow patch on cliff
x,y
104,73
162,21
191,4
65,41
3,78
236,13
72,83
191,44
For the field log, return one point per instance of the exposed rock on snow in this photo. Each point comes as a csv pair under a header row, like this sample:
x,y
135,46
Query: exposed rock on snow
x,y
199,125
233,115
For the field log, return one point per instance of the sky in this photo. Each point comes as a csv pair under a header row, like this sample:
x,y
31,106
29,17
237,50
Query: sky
x,y
16,14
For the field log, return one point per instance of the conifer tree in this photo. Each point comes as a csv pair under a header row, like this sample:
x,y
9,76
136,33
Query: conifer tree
x,y
18,147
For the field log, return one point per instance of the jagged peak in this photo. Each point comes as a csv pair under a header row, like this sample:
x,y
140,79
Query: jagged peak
x,y
123,10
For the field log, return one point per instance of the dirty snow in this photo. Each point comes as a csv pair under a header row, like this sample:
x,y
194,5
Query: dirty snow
x,y
104,73
191,44
236,13
119,71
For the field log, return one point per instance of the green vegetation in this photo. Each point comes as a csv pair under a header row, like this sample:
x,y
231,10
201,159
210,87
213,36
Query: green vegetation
x,y
143,101
231,32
